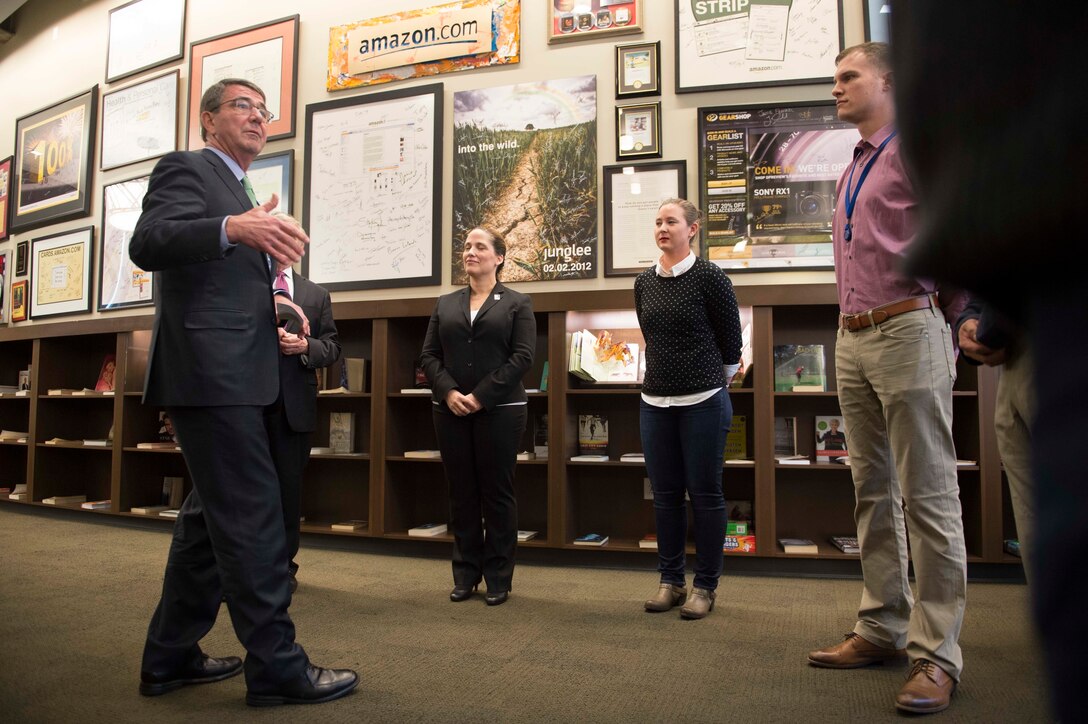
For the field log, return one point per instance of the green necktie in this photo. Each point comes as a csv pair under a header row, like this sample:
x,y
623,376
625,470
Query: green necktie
x,y
249,190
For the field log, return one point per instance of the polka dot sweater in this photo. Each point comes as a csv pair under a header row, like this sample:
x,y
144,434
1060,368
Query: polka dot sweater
x,y
691,326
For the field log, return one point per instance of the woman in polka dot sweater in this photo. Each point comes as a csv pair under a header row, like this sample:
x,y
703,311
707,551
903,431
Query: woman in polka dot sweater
x,y
688,314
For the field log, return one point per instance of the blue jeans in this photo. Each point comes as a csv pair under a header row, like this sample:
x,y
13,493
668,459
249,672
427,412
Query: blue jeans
x,y
683,448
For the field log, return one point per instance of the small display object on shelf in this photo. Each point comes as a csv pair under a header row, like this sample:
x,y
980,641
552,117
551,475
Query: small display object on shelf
x,y
106,374
736,440
591,539
342,432
739,544
848,544
598,358
831,439
799,546
785,436
526,535
593,434
799,368
428,530
349,525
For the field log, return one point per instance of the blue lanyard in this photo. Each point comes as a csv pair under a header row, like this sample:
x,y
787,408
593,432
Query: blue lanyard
x,y
852,199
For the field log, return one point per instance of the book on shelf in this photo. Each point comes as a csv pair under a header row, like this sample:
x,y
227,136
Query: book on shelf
x,y
63,441
334,391
799,368
7,389
526,455
597,358
428,530
744,461
544,377
342,432
632,458
743,377
792,460
785,436
846,543
60,391
591,539
156,445
1012,547
540,434
591,458
169,513
173,491
106,374
322,451
423,454
419,377
18,495
526,535
357,373
802,546
831,438
91,442
148,509
736,440
164,428
648,541
96,505
24,380
354,524
22,393
87,391
592,434
739,544
5,490
13,436
966,463
415,391
19,488
64,499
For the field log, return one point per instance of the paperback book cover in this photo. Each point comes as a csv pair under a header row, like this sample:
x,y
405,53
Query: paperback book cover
x,y
799,368
736,441
106,374
591,539
342,432
540,435
785,436
831,438
356,368
592,435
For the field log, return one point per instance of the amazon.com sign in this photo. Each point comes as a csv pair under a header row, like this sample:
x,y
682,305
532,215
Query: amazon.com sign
x,y
447,31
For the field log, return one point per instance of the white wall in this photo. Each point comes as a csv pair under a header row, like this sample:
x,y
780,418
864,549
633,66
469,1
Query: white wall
x,y
59,50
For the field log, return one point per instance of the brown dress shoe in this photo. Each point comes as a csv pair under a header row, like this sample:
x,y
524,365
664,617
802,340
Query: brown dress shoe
x,y
699,604
928,689
853,653
667,596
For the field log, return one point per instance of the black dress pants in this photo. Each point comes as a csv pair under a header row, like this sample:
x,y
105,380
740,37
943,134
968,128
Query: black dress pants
x,y
290,455
479,452
228,539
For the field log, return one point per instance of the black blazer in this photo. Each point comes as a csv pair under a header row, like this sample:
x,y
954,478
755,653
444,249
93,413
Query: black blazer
x,y
487,358
297,379
214,341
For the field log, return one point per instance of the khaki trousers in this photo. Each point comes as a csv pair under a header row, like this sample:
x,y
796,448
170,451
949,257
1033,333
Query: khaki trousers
x,y
895,389
1013,412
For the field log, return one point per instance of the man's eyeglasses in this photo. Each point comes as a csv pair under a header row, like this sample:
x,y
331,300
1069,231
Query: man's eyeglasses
x,y
245,106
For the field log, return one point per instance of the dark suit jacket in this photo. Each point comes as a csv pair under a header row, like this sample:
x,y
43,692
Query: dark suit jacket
x,y
487,358
214,341
297,379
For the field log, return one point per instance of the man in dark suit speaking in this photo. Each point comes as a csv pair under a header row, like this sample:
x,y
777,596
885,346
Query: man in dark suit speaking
x,y
214,367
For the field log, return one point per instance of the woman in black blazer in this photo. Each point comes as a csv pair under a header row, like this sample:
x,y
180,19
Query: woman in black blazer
x,y
479,345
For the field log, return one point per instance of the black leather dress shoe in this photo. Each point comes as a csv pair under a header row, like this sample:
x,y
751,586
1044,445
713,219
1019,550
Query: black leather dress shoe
x,y
314,686
293,583
497,598
204,672
462,593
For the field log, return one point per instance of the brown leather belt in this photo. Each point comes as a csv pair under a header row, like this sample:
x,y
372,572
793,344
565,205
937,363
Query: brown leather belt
x,y
878,315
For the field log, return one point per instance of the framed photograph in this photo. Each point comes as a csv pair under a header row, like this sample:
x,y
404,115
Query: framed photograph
x,y
266,54
53,152
638,131
121,283
5,195
638,70
632,196
722,45
144,34
767,176
878,17
140,122
60,266
584,19
274,173
373,189
19,293
22,254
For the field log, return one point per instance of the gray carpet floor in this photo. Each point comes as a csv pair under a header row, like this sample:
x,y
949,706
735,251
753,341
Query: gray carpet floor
x,y
571,645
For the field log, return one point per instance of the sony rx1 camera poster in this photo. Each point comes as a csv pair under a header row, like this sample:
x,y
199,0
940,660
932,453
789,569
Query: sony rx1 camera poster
x,y
767,176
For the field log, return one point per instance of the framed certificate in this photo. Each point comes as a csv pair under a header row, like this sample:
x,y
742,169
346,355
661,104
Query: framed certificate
x,y
632,196
638,70
638,131
121,283
61,271
140,122
144,34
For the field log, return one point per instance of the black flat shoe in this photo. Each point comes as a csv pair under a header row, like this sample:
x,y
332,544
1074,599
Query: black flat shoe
x,y
462,593
314,686
205,671
498,598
